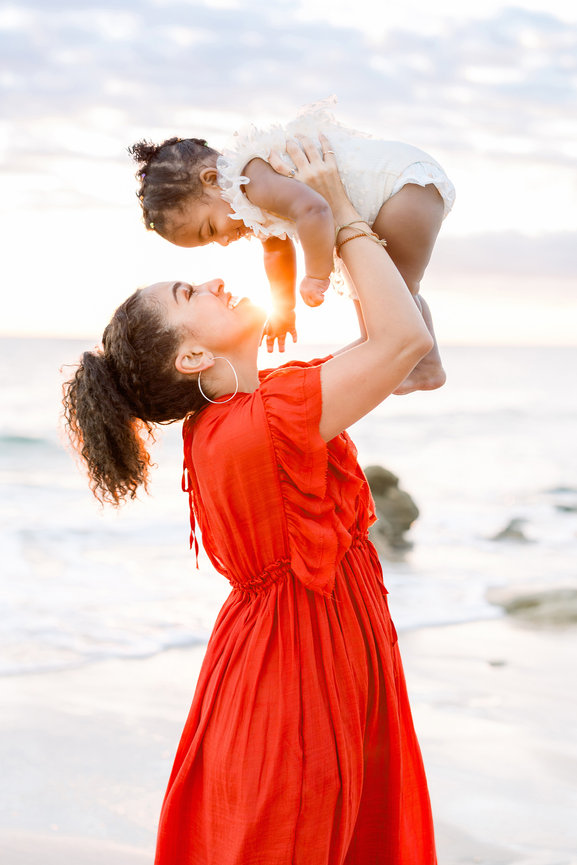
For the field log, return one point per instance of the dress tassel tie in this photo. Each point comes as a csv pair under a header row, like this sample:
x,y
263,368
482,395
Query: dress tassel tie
x,y
187,488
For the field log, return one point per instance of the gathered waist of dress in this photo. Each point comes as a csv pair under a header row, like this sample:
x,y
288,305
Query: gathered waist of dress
x,y
359,537
278,570
253,585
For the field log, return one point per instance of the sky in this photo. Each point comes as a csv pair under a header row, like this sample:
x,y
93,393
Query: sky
x,y
489,89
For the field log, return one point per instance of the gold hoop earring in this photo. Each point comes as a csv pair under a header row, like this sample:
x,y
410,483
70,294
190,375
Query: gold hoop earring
x,y
228,399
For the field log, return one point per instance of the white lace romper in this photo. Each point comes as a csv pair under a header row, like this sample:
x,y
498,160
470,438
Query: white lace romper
x,y
372,170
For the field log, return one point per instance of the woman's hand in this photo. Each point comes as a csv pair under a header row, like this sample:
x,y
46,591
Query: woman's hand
x,y
319,171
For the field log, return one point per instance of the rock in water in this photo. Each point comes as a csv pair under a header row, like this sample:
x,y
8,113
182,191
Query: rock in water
x,y
557,606
396,511
513,531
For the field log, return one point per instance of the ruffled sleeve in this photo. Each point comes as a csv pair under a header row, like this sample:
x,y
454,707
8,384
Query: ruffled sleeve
x,y
249,144
316,535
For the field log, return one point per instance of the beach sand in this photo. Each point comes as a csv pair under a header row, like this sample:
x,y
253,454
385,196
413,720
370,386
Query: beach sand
x,y
86,753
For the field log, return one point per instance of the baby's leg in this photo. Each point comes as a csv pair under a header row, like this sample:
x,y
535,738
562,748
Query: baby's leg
x,y
410,221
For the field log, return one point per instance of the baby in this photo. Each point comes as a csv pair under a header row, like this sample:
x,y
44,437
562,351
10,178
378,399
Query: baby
x,y
192,195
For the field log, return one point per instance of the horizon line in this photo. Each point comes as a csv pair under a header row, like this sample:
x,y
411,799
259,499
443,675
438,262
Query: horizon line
x,y
445,343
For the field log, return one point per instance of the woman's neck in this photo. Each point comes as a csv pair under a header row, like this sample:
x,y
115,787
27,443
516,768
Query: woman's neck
x,y
248,379
240,376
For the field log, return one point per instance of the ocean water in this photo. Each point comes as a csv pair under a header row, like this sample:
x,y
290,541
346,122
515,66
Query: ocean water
x,y
80,583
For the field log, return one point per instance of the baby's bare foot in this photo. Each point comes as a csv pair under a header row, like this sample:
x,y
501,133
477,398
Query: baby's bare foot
x,y
427,375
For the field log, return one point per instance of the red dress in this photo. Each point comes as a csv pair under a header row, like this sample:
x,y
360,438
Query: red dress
x,y
299,748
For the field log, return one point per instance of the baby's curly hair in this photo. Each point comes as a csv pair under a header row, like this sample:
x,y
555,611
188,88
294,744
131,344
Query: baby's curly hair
x,y
168,176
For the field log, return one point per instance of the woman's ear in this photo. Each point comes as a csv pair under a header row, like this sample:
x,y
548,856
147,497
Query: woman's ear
x,y
189,361
208,175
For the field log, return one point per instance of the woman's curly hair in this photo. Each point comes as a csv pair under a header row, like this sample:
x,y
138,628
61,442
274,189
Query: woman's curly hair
x,y
118,393
169,176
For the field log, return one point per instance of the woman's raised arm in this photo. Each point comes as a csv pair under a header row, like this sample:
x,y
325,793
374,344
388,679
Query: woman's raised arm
x,y
397,338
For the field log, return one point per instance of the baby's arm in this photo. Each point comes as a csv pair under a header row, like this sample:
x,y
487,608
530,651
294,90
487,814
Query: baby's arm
x,y
280,267
287,197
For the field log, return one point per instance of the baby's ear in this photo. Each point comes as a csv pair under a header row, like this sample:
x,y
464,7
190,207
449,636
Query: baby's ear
x,y
208,175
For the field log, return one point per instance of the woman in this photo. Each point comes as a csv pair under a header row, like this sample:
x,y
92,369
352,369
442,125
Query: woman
x,y
299,748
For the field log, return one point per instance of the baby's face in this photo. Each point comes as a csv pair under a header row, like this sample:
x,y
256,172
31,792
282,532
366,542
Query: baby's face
x,y
205,220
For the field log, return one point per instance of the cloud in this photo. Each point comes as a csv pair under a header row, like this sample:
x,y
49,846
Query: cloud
x,y
173,54
510,253
503,85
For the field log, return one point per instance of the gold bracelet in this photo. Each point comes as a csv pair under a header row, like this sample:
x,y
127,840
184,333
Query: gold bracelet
x,y
372,236
349,225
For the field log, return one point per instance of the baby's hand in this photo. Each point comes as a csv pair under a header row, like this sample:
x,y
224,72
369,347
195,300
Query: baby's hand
x,y
280,322
313,290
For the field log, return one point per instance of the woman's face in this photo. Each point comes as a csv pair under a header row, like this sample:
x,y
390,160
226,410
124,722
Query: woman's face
x,y
217,321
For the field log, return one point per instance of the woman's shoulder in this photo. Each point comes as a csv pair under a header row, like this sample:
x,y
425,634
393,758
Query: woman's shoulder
x,y
270,379
281,370
287,396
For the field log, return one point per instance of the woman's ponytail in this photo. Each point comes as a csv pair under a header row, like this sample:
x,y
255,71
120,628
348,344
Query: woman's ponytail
x,y
120,391
104,431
